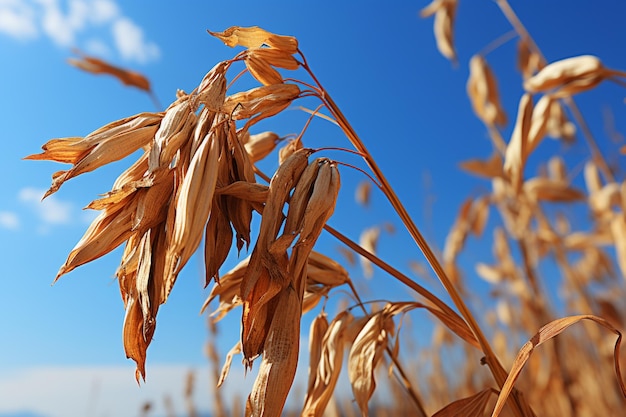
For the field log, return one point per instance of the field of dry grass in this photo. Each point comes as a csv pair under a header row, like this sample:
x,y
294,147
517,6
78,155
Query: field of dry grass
x,y
197,185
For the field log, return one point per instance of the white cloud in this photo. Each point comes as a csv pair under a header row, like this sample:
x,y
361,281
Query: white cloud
x,y
97,47
9,220
104,11
17,19
51,211
68,22
130,42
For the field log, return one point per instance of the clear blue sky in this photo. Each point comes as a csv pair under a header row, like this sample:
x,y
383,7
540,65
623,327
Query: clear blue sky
x,y
380,64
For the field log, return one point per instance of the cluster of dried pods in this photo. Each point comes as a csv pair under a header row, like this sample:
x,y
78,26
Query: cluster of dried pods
x,y
195,177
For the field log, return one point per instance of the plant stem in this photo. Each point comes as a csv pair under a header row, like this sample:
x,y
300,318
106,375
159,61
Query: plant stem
x,y
491,359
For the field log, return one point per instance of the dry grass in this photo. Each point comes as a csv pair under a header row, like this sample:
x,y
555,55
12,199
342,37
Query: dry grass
x,y
196,179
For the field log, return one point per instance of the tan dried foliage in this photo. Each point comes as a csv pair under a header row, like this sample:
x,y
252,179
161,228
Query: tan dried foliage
x,y
472,406
327,352
95,65
519,148
107,144
547,332
323,274
528,60
194,177
260,145
367,351
255,37
363,193
445,13
490,168
368,241
482,89
570,76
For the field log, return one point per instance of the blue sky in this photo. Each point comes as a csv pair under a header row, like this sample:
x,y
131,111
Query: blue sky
x,y
61,353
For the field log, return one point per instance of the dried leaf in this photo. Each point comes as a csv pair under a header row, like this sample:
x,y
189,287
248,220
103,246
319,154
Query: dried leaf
x,y
547,332
368,241
363,192
444,11
549,190
472,406
99,66
235,350
107,144
568,76
518,149
280,358
528,61
490,168
482,90
323,378
255,37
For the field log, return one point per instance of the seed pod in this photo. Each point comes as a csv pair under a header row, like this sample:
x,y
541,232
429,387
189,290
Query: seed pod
x,y
288,149
192,205
262,71
280,358
255,37
444,11
107,144
568,76
483,92
260,145
517,150
275,57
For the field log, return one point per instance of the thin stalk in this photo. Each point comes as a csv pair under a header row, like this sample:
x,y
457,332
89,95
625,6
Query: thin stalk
x,y
432,298
491,359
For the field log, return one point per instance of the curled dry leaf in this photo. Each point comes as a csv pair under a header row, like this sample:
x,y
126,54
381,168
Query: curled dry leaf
x,y
260,103
528,61
319,327
368,241
490,168
255,37
261,62
280,358
518,148
445,12
98,66
367,350
324,375
569,76
547,332
105,145
482,90
363,192
550,190
472,406
472,218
